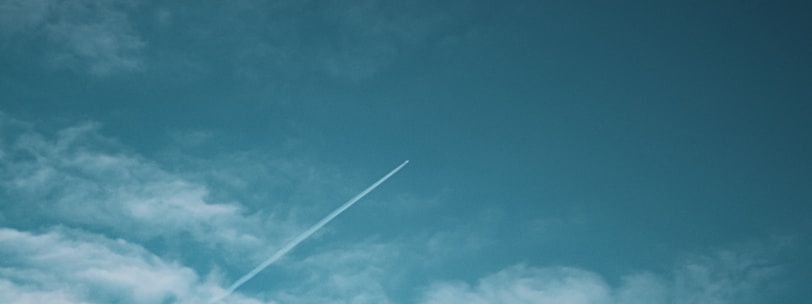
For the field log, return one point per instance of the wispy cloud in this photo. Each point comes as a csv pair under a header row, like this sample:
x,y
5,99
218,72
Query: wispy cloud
x,y
82,216
731,275
90,35
62,265
69,266
346,40
522,284
257,40
81,178
96,35
88,206
718,278
371,35
116,204
72,263
355,273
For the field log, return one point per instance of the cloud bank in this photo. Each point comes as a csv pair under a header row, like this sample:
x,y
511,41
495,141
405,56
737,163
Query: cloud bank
x,y
81,217
83,179
723,277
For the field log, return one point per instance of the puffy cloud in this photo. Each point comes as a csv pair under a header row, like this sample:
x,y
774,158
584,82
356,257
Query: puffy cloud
x,y
522,284
64,265
117,204
718,278
83,179
67,264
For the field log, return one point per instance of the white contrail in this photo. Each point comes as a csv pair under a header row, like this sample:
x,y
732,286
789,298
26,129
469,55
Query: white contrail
x,y
307,233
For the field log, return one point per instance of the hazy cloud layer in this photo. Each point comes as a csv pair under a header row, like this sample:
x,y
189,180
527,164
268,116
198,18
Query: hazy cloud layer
x,y
255,40
82,214
20,15
561,152
68,266
94,36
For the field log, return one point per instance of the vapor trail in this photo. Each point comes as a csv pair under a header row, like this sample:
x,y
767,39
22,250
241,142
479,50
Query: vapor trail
x,y
307,233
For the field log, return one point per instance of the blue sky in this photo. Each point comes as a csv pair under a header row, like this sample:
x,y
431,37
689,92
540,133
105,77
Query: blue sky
x,y
561,151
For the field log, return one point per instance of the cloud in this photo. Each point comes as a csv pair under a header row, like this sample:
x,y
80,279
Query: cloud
x,y
719,278
73,265
374,271
737,275
86,214
91,35
11,292
522,284
96,35
83,179
82,216
103,207
65,265
257,40
62,265
355,273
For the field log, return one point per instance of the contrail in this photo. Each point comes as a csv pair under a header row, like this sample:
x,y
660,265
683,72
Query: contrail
x,y
307,233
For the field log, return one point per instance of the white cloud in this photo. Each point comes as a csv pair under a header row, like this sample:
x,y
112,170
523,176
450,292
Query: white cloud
x,y
723,277
17,294
522,284
104,47
355,273
81,178
371,271
70,266
114,202
642,288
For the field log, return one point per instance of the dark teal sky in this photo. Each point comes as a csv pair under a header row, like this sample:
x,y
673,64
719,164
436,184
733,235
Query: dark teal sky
x,y
643,152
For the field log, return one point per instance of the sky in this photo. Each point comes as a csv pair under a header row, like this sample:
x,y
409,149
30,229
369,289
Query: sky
x,y
562,152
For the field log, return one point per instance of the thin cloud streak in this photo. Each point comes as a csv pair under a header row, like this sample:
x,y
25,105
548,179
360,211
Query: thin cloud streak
x,y
276,256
